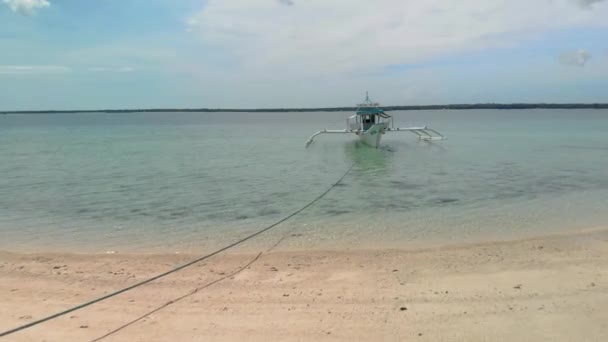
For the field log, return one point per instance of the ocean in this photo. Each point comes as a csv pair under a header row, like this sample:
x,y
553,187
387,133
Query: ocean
x,y
190,182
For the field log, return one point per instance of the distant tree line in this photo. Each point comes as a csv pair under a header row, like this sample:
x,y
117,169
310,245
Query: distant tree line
x,y
336,109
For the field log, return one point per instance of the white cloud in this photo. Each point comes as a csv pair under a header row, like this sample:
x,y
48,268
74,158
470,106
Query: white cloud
x,y
58,69
321,37
26,7
588,3
33,69
111,69
577,58
125,69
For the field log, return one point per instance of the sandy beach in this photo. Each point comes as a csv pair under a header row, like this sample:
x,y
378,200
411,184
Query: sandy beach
x,y
551,288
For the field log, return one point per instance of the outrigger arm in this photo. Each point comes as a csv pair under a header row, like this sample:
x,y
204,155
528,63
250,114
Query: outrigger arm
x,y
327,131
423,132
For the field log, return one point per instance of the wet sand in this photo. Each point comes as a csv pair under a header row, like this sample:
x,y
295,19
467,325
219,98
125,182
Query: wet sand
x,y
546,288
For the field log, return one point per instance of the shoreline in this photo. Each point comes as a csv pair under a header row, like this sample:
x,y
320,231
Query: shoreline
x,y
286,245
551,287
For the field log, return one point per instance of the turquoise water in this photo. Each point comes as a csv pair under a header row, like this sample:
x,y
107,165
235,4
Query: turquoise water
x,y
191,181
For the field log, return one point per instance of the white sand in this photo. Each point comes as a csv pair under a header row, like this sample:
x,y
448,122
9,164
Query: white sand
x,y
551,288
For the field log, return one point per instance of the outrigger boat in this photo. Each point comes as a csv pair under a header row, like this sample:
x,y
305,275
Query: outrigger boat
x,y
370,122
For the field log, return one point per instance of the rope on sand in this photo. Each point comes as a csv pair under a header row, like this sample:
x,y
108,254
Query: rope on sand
x,y
176,269
173,301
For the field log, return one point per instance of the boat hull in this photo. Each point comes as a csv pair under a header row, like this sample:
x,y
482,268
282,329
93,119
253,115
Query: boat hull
x,y
373,135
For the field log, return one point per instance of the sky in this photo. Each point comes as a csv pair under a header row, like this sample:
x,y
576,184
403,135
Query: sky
x,y
86,54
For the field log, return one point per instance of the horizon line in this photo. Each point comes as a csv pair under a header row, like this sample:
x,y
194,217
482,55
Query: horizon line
x,y
512,106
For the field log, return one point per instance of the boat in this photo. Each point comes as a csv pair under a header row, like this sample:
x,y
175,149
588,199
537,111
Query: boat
x,y
370,122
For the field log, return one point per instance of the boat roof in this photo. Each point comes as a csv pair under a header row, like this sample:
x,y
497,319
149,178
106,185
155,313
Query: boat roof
x,y
371,111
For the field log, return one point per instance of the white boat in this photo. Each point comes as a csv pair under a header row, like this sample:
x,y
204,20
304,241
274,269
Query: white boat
x,y
370,122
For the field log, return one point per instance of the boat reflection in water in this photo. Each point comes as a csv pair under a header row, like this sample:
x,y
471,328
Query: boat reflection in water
x,y
368,161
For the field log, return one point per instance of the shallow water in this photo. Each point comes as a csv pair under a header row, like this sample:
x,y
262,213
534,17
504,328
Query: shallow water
x,y
190,181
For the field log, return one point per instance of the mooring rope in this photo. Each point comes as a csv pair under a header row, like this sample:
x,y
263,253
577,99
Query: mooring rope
x,y
176,269
173,301
196,290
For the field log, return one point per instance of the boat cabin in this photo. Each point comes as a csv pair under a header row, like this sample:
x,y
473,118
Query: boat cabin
x,y
368,121
366,117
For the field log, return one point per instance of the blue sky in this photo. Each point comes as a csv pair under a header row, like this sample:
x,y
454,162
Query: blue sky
x,y
74,54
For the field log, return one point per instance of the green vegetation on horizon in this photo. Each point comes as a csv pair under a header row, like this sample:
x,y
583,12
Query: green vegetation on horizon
x,y
336,109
